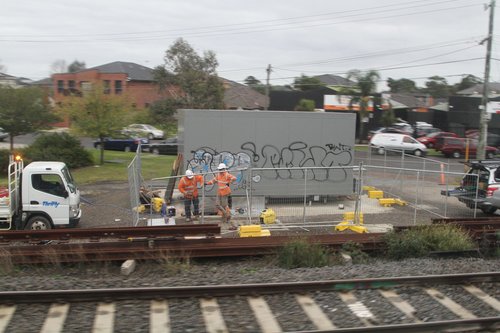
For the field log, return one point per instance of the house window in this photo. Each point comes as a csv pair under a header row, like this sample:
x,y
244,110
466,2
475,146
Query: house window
x,y
60,86
71,85
118,87
86,87
107,87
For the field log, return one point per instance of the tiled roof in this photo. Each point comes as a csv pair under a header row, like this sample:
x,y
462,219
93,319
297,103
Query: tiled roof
x,y
238,95
493,87
134,71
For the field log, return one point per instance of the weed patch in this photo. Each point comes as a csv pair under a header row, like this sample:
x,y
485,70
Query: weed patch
x,y
420,241
300,253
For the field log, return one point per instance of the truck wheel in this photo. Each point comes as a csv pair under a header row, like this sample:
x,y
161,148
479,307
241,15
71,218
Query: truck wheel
x,y
489,209
38,223
456,154
417,153
430,145
98,146
151,136
490,155
156,151
126,149
381,151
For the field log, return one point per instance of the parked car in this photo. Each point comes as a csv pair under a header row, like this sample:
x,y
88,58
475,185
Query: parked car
x,y
430,139
479,187
3,134
385,130
492,139
144,130
383,142
167,147
456,147
426,131
122,142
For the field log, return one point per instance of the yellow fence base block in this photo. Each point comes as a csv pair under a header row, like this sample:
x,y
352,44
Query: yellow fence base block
x,y
253,230
345,225
250,228
401,202
375,194
368,188
387,202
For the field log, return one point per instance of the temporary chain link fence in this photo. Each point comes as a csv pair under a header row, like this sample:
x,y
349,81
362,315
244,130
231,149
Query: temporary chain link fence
x,y
135,180
418,188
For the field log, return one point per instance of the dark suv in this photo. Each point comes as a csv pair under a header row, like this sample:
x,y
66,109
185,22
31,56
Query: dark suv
x,y
457,147
480,186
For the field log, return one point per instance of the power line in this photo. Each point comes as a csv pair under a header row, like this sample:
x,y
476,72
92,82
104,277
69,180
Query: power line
x,y
263,28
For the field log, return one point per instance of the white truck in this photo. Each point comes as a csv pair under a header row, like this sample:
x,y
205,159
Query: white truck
x,y
42,195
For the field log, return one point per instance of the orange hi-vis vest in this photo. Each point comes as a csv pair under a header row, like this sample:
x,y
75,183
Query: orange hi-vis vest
x,y
223,180
188,187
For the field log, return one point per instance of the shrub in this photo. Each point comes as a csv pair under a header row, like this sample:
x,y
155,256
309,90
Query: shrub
x,y
420,241
300,253
59,147
355,251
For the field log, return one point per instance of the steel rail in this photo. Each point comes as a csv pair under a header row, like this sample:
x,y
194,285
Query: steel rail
x,y
491,324
84,295
100,233
143,248
467,220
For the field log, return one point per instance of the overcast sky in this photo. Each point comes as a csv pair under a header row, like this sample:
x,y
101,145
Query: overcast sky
x,y
411,39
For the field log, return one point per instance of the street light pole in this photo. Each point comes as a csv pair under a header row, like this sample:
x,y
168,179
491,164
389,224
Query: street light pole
x,y
483,121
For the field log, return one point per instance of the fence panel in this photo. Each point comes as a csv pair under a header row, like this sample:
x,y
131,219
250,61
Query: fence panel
x,y
135,180
302,205
420,190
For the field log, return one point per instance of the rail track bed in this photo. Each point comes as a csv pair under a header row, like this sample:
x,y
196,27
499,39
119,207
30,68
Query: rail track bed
x,y
469,302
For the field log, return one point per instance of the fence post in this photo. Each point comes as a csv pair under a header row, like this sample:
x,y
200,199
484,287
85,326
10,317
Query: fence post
x,y
251,196
305,196
358,187
203,202
416,199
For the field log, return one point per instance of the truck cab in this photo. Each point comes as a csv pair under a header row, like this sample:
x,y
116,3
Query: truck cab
x,y
42,195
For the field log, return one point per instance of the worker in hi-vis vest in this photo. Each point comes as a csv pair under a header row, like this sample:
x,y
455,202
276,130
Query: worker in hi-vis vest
x,y
188,186
223,179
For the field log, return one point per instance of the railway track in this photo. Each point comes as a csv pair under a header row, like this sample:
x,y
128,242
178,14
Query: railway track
x,y
462,302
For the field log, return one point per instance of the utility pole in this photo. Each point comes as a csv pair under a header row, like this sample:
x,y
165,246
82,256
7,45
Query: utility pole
x,y
268,70
483,121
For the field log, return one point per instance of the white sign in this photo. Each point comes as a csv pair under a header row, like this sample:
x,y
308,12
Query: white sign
x,y
493,107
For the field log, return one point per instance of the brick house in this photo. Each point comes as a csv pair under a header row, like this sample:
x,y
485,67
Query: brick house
x,y
118,78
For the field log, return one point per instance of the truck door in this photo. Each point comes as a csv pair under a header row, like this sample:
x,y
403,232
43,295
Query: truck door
x,y
48,194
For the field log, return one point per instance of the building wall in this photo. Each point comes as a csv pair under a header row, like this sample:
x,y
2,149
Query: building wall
x,y
141,93
271,139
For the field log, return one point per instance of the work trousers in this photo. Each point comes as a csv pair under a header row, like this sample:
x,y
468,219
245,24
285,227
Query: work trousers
x,y
187,206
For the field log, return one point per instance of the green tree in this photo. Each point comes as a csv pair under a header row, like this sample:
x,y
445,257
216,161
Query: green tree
x,y
76,66
437,86
402,85
305,83
305,105
252,81
255,84
195,75
388,117
97,114
467,81
365,87
24,110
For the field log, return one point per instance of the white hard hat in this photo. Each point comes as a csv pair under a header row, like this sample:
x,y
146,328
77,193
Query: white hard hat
x,y
189,174
221,166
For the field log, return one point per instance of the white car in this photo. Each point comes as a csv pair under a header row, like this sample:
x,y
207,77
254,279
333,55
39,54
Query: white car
x,y
387,142
145,130
3,134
